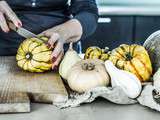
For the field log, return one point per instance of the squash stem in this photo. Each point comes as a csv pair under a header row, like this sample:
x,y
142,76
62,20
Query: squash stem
x,y
106,50
29,56
88,66
128,56
71,46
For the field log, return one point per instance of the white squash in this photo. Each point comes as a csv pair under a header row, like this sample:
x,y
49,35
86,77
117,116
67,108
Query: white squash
x,y
87,74
129,83
70,58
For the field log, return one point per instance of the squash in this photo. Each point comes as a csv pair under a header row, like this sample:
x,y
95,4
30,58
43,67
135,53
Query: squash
x,y
152,45
95,52
105,54
33,55
87,74
133,58
129,83
70,58
156,80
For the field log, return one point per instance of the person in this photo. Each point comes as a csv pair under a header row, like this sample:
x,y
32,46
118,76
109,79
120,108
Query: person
x,y
62,21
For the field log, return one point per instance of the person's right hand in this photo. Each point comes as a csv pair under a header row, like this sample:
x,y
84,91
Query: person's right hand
x,y
6,12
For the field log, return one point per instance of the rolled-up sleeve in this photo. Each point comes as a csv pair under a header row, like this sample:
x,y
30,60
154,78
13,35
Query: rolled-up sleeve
x,y
86,12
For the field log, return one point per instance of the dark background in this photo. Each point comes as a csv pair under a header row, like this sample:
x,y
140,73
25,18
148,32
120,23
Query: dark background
x,y
122,29
126,29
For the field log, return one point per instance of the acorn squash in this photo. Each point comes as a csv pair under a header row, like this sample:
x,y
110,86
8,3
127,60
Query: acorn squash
x,y
133,58
95,52
33,55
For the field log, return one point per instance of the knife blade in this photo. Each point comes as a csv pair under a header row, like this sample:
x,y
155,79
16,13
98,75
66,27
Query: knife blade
x,y
23,32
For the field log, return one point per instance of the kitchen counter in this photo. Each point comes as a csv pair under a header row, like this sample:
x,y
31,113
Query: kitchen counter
x,y
98,110
130,10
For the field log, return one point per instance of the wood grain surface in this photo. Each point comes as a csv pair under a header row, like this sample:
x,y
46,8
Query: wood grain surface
x,y
42,87
14,102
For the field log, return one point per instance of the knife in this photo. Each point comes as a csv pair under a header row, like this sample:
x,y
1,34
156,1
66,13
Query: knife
x,y
23,32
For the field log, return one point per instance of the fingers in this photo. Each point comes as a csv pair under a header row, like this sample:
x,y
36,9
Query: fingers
x,y
58,60
13,17
5,9
49,32
52,35
3,23
57,50
53,39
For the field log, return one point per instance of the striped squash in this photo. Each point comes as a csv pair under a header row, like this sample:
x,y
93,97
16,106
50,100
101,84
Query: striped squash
x,y
133,58
34,56
95,52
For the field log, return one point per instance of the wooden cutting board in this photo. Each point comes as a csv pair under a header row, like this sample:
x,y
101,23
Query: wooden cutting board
x,y
14,102
42,87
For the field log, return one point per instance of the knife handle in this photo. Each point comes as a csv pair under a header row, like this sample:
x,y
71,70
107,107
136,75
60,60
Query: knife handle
x,y
11,25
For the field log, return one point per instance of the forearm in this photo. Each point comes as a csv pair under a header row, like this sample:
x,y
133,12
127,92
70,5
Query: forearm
x,y
71,30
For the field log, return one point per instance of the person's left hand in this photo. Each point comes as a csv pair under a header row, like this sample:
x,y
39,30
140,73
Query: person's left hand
x,y
70,31
55,41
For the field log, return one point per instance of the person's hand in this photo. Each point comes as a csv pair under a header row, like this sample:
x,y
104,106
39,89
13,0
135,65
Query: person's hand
x,y
6,12
56,42
69,31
